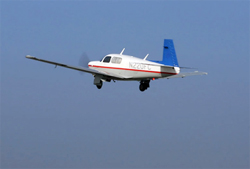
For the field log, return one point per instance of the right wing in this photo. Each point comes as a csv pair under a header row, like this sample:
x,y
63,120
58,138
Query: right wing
x,y
83,69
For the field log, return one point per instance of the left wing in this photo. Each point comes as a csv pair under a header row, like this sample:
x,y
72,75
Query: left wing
x,y
83,69
182,75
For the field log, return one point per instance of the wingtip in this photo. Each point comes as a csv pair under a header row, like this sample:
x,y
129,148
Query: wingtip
x,y
202,73
28,56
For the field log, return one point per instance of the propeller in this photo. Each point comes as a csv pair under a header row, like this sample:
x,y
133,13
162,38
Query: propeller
x,y
84,60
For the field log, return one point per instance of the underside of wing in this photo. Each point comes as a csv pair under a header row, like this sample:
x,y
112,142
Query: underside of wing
x,y
83,69
184,74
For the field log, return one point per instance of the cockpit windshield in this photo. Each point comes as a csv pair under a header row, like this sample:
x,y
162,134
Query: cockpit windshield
x,y
107,59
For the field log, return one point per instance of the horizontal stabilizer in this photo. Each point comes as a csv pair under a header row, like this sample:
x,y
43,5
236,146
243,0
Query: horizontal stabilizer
x,y
188,68
184,74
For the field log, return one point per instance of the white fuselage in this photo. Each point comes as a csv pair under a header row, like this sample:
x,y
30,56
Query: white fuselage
x,y
133,68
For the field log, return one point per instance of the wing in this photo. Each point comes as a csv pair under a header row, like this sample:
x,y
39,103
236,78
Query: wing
x,y
88,70
182,75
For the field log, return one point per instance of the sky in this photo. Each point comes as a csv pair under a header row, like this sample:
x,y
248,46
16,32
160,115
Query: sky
x,y
56,118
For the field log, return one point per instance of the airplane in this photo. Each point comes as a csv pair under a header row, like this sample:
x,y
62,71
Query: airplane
x,y
129,68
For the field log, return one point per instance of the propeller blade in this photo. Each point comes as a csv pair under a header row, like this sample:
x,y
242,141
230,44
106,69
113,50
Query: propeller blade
x,y
84,60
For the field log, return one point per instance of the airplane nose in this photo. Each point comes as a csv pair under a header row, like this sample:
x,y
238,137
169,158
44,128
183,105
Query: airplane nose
x,y
90,64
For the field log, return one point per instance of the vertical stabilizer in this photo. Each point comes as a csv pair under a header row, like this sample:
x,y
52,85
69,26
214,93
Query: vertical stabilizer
x,y
169,55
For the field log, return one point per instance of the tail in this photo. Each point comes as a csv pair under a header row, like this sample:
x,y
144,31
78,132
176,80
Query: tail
x,y
169,55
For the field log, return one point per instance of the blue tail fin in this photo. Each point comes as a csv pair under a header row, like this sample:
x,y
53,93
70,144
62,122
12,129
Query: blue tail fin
x,y
169,56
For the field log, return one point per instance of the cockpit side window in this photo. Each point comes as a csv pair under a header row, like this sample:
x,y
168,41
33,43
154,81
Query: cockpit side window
x,y
116,60
107,59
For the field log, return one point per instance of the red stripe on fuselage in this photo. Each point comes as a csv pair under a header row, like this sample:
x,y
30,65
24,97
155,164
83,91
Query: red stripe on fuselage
x,y
132,69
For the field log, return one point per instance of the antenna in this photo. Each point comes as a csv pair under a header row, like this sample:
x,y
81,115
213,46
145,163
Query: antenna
x,y
146,57
122,51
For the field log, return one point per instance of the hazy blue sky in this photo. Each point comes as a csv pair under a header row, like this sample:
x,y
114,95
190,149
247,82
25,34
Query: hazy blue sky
x,y
57,118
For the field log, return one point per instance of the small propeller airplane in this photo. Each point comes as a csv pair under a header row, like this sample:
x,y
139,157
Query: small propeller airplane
x,y
130,68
